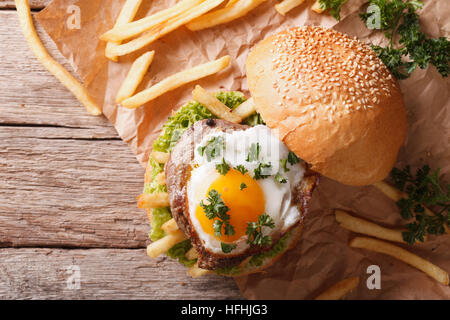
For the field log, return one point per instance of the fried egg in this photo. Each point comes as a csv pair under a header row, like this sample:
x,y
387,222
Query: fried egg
x,y
260,180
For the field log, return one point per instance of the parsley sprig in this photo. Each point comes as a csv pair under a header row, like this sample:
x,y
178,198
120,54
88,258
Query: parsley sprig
x,y
279,178
253,153
262,171
216,209
241,169
223,167
292,158
212,148
423,190
227,247
399,20
254,230
333,6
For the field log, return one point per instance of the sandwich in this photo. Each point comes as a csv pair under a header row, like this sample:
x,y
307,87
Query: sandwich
x,y
233,197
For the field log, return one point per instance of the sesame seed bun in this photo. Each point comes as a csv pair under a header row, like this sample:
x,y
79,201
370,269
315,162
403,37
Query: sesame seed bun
x,y
331,100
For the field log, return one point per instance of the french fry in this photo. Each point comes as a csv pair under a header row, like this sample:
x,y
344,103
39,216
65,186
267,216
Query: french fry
x,y
164,244
317,7
245,262
170,226
36,46
196,272
165,28
126,15
287,5
396,195
153,200
339,290
192,254
177,80
161,178
389,191
134,77
245,109
229,13
403,255
231,2
368,228
214,105
132,29
160,157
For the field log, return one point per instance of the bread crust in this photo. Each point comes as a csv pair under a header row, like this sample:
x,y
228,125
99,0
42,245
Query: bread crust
x,y
331,100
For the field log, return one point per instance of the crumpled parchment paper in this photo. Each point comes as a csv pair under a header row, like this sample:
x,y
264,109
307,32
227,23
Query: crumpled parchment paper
x,y
322,256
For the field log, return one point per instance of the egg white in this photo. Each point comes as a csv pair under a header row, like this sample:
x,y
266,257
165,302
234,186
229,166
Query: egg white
x,y
278,197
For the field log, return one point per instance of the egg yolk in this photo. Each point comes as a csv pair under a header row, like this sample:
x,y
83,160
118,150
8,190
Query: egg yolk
x,y
245,205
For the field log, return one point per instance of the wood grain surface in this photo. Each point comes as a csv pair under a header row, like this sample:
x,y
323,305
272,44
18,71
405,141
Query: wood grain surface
x,y
68,187
32,273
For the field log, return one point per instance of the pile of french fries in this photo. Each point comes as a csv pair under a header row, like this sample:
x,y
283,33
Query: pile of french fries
x,y
129,36
373,243
376,232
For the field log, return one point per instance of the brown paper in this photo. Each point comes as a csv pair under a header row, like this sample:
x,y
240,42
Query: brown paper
x,y
322,256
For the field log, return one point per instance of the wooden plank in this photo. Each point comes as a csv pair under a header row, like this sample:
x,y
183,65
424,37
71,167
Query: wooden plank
x,y
104,274
60,188
67,180
30,94
34,4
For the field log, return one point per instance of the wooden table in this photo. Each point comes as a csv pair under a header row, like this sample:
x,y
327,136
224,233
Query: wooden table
x,y
68,187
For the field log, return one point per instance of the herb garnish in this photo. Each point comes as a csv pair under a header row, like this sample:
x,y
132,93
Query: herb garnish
x,y
213,148
242,186
334,7
399,17
279,178
292,158
261,172
241,169
227,247
223,167
423,190
253,154
283,163
254,230
216,209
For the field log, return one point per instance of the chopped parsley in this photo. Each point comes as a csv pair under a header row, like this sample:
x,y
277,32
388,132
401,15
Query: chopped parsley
x,y
227,247
241,169
279,178
292,158
423,189
223,167
283,163
253,153
242,186
213,148
216,209
254,230
262,171
333,6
